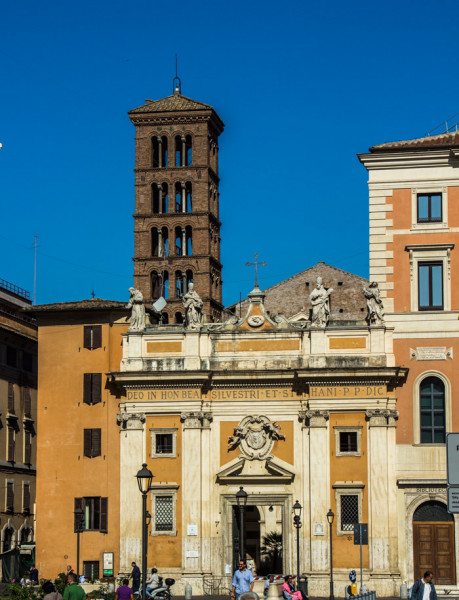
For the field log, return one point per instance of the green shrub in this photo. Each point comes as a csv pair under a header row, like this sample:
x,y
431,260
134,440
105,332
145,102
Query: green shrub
x,y
20,592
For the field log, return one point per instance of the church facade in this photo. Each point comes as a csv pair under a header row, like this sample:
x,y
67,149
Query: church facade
x,y
327,389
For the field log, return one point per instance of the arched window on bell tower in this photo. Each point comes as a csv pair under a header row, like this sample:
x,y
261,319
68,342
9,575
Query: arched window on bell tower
x,y
155,285
188,151
179,239
160,195
179,284
159,151
189,240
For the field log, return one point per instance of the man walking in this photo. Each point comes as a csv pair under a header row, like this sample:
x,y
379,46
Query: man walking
x,y
74,591
424,589
135,577
242,580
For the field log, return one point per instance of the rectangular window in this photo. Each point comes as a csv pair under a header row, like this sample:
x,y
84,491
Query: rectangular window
x,y
348,441
91,569
9,496
164,513
95,511
27,447
92,439
11,398
92,337
349,511
163,442
92,393
430,282
11,443
11,356
430,208
26,498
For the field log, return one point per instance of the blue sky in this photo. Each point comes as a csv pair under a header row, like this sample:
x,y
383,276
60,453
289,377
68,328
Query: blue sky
x,y
301,86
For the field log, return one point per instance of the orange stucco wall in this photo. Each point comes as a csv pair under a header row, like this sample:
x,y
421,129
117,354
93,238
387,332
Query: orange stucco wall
x,y
64,471
349,469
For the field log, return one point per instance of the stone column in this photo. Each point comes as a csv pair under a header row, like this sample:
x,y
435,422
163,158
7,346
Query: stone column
x,y
303,468
183,241
132,455
319,485
381,489
184,283
206,494
160,151
183,197
160,198
160,242
192,482
183,151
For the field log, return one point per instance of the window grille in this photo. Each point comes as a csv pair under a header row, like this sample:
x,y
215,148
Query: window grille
x,y
348,441
164,513
91,569
432,511
349,512
164,443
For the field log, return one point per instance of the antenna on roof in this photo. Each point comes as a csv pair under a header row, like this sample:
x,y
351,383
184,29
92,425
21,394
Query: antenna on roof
x,y
176,83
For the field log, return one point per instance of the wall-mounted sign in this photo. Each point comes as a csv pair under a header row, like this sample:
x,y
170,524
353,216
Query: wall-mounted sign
x,y
107,562
192,529
192,554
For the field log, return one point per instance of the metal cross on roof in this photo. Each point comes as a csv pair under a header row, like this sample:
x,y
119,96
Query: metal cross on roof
x,y
256,264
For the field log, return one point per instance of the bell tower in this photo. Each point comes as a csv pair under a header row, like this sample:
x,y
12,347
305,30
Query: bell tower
x,y
176,219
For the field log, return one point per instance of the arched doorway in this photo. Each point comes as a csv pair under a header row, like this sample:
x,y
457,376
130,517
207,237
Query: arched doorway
x,y
433,542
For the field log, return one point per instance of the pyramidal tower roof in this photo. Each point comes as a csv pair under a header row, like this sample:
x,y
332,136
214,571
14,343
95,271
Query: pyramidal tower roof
x,y
174,103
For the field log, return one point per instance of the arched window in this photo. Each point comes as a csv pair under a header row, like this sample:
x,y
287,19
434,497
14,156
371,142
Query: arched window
x,y
164,245
160,198
154,242
179,151
178,317
178,241
178,284
189,197
8,535
178,197
188,151
26,534
189,240
432,411
164,318
159,151
189,278
432,511
155,280
166,284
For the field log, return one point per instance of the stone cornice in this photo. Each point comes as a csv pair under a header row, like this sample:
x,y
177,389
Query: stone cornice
x,y
406,160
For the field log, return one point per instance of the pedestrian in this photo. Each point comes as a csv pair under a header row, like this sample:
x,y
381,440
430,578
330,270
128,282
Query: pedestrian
x,y
135,577
424,589
124,592
34,575
242,580
267,584
25,581
287,589
49,591
74,591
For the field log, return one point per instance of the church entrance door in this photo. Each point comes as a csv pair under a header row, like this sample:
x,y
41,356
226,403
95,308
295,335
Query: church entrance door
x,y
433,543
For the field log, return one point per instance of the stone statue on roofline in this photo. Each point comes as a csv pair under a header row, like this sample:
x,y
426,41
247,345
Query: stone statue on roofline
x,y
135,303
193,308
374,304
320,300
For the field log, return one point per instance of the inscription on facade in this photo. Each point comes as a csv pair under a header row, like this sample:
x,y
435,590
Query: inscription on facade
x,y
351,391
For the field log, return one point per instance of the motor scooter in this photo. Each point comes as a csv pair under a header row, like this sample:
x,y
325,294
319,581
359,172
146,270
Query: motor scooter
x,y
163,592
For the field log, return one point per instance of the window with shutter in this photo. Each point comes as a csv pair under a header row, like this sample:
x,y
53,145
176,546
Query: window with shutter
x,y
104,515
26,498
10,496
27,447
27,402
11,398
92,388
11,434
92,442
92,337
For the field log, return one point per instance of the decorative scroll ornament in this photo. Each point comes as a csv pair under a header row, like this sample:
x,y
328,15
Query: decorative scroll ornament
x,y
256,436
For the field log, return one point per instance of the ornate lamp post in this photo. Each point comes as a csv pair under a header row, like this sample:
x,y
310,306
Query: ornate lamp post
x,y
330,519
79,526
297,524
144,479
241,498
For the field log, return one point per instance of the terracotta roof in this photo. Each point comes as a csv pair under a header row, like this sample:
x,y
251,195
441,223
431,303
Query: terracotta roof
x,y
445,140
290,296
90,304
173,103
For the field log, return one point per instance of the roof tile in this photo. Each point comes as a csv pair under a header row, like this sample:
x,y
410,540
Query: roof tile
x,y
444,140
173,103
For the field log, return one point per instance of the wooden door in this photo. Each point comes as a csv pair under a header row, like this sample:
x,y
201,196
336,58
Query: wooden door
x,y
433,545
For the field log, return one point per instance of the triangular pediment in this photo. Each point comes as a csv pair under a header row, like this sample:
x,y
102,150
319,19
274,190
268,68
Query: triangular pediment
x,y
242,470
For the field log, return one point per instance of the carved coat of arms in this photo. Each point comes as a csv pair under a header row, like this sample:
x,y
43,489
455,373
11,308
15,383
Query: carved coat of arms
x,y
255,435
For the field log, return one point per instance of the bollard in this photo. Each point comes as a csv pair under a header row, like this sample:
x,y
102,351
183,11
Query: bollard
x,y
273,591
188,592
404,591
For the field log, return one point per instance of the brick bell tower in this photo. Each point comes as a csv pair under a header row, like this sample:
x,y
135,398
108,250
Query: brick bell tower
x,y
176,219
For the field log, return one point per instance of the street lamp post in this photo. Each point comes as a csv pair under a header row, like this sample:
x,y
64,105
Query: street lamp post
x,y
79,521
297,523
144,479
241,498
330,519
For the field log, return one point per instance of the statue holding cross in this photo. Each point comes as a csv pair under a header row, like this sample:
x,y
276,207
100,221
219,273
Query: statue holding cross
x,y
256,264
